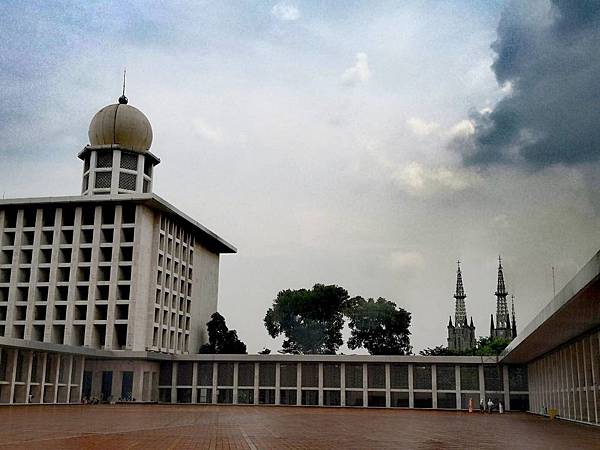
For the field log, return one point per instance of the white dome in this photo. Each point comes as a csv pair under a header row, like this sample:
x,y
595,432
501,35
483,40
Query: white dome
x,y
122,125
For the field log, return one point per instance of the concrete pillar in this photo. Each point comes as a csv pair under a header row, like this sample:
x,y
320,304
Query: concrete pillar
x,y
482,383
277,383
11,372
56,378
299,384
174,383
235,382
256,382
388,383
29,369
411,386
69,374
195,382
434,386
458,387
365,385
342,384
43,382
320,384
215,382
506,384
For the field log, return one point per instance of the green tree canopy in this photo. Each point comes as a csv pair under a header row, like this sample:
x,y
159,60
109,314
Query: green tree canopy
x,y
310,319
379,325
485,346
221,339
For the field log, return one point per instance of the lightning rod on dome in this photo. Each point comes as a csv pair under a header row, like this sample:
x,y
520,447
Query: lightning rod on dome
x,y
122,98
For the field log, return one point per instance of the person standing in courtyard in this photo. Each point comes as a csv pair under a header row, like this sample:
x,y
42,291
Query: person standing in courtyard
x,y
490,405
481,406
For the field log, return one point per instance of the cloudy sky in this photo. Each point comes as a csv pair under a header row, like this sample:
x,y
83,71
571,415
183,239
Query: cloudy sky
x,y
366,144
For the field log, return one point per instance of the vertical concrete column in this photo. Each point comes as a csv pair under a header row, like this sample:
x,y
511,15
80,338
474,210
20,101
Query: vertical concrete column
x,y
277,383
434,385
365,385
28,379
411,386
11,372
114,182
579,379
320,384
43,382
81,370
299,384
506,384
56,378
342,384
215,381
235,382
14,274
139,181
70,315
69,373
96,237
585,357
138,382
29,315
195,382
594,344
256,381
482,383
92,172
458,387
388,384
174,383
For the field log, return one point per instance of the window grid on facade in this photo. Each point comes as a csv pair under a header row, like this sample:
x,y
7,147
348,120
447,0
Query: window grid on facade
x,y
50,251
171,331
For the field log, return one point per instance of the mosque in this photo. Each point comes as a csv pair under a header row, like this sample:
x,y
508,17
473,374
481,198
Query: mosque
x,y
106,295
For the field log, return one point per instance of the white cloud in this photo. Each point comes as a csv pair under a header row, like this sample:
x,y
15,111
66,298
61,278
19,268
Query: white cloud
x,y
464,128
359,72
206,131
416,178
422,128
285,11
406,260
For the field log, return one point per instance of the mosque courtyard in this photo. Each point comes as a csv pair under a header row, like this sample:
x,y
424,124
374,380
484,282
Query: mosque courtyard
x,y
251,427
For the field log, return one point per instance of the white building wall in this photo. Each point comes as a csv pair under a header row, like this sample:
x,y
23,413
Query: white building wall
x,y
205,294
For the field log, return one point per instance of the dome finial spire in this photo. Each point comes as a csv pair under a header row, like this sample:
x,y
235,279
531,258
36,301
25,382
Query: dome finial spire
x,y
122,99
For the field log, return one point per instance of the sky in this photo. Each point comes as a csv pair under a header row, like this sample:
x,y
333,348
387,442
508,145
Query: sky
x,y
365,144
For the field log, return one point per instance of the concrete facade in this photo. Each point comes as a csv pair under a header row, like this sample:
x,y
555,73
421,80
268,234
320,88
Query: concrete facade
x,y
561,349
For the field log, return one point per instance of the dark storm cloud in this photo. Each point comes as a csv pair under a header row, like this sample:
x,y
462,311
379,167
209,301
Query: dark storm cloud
x,y
551,58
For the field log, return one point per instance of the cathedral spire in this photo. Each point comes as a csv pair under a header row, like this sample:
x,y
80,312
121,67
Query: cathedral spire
x,y
501,307
460,314
514,320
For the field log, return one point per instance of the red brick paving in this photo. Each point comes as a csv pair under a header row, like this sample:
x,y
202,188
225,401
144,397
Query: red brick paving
x,y
255,427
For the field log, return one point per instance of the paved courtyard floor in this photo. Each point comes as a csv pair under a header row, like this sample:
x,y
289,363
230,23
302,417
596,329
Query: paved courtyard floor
x,y
248,427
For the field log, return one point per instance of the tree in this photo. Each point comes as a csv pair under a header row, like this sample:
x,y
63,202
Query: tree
x,y
485,346
221,339
488,346
379,325
440,350
310,319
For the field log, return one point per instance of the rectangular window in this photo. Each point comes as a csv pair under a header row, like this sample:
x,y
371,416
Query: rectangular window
x,y
129,161
104,159
310,398
127,181
266,396
446,400
354,376
376,376
376,399
469,378
331,398
224,395
423,400
310,375
266,374
399,399
287,397
354,398
246,396
246,374
103,180
331,375
492,376
288,374
204,395
445,377
422,376
225,374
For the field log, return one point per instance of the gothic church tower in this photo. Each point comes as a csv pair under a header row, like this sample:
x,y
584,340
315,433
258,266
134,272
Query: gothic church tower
x,y
461,335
